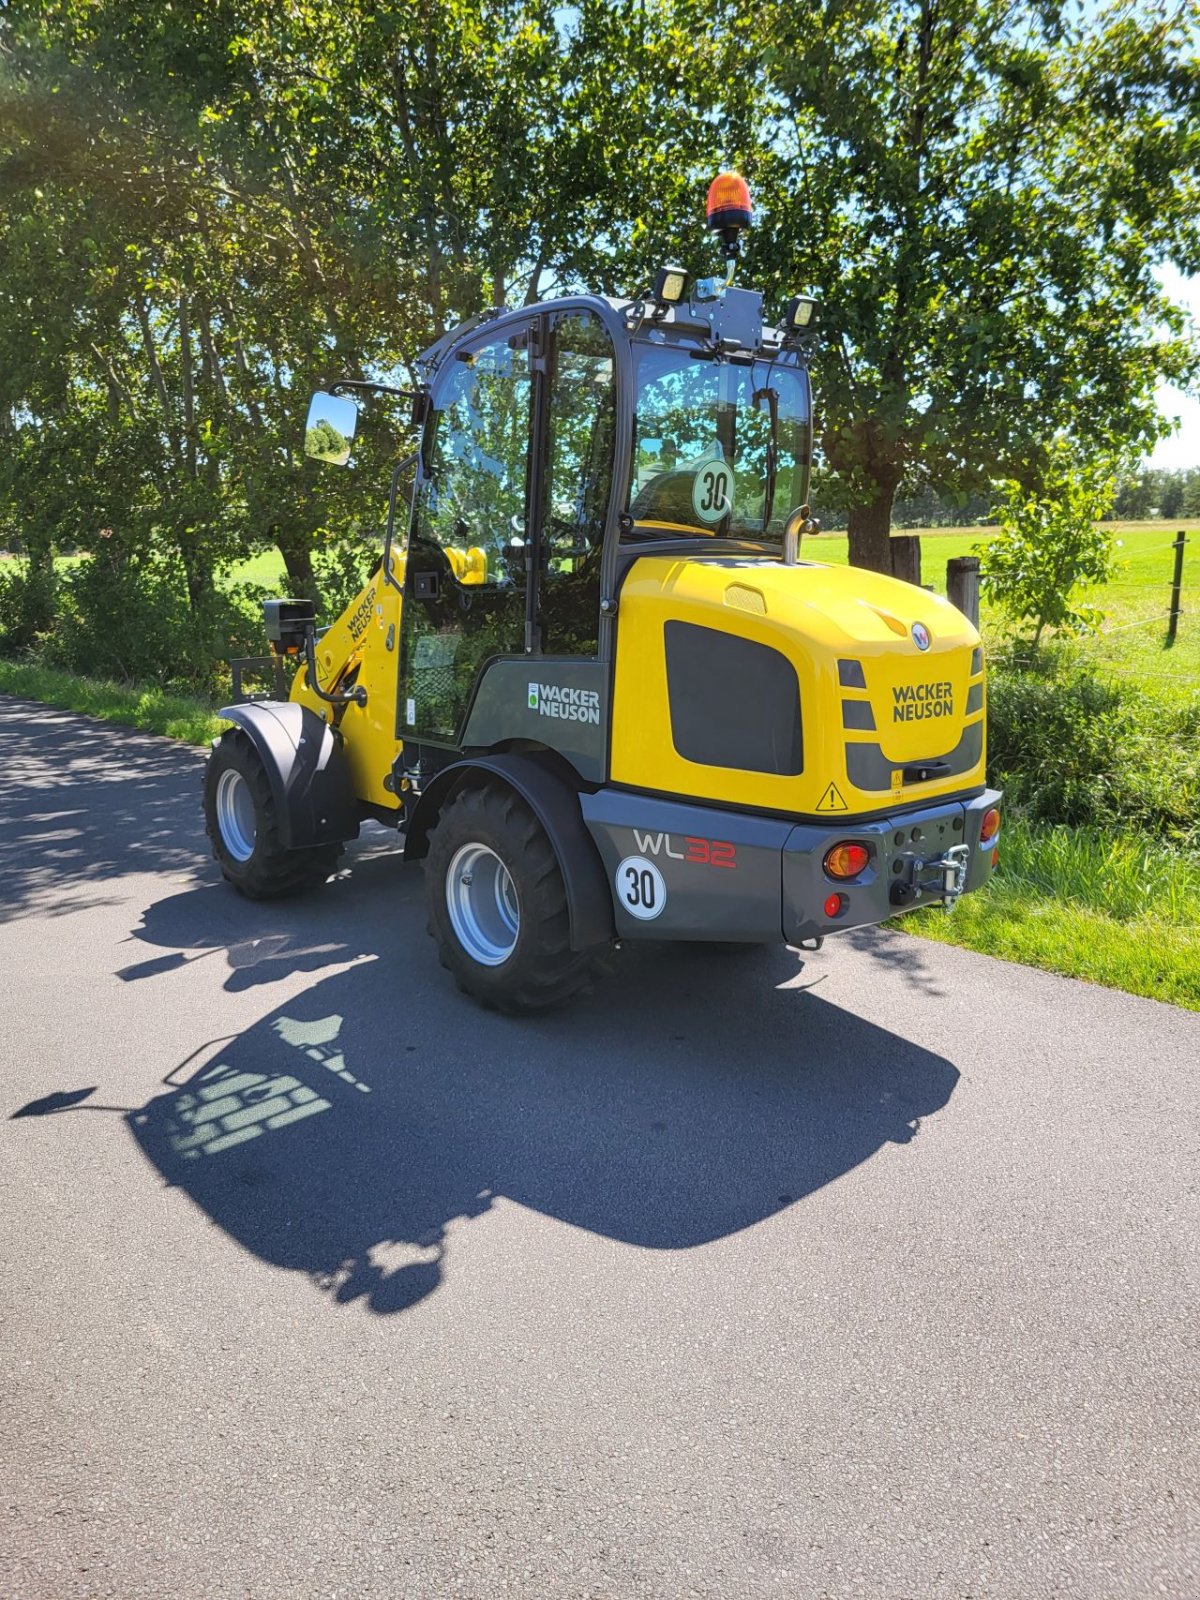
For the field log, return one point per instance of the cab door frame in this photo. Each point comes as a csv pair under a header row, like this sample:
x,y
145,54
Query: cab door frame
x,y
539,321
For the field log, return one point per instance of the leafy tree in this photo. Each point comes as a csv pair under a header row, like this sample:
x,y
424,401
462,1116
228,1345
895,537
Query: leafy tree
x,y
210,208
978,192
1050,547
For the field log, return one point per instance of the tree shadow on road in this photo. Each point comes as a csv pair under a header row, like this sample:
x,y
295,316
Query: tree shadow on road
x,y
342,1135
82,808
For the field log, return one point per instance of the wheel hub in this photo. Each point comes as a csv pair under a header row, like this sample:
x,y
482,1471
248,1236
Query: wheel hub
x,y
235,815
481,900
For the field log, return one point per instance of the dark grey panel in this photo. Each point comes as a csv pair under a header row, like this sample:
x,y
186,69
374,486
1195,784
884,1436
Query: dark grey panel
x,y
734,703
731,892
561,704
850,675
975,698
901,849
976,660
868,768
857,714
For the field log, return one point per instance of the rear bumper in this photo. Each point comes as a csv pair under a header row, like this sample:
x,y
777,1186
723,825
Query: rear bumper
x,y
679,871
902,874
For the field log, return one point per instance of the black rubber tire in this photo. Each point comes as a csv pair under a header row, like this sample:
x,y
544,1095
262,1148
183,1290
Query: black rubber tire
x,y
542,972
270,872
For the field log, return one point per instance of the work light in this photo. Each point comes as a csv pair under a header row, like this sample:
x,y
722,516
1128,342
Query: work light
x,y
670,285
798,313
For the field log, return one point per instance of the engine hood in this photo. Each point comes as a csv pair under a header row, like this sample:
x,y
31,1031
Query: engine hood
x,y
889,679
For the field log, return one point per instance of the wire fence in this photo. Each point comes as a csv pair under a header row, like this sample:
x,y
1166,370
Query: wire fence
x,y
1166,590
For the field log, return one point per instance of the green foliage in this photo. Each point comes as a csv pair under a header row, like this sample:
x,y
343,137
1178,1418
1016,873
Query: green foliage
x,y
1049,547
28,593
129,619
341,567
1111,907
210,209
1070,746
977,193
1158,492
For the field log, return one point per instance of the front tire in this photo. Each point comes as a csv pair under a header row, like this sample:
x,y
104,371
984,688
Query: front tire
x,y
242,821
498,905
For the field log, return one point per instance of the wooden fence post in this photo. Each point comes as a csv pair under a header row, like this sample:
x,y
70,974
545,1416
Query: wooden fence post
x,y
906,558
962,586
1176,585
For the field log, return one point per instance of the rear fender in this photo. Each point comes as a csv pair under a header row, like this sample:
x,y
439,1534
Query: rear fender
x,y
555,803
307,770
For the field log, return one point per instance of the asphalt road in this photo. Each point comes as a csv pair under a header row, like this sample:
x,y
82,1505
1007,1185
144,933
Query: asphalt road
x,y
871,1276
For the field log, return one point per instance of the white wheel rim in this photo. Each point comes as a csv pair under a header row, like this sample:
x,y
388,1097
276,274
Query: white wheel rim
x,y
482,901
235,815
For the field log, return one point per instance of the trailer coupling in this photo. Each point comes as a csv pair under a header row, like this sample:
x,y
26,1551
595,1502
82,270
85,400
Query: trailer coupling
x,y
944,875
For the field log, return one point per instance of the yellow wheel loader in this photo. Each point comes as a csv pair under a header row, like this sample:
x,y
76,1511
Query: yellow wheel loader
x,y
597,687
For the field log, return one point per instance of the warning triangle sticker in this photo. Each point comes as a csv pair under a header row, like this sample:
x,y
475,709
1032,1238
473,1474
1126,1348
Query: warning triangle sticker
x,y
832,800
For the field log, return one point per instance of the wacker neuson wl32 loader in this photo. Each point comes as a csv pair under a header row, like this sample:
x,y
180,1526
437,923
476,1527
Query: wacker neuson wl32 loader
x,y
598,691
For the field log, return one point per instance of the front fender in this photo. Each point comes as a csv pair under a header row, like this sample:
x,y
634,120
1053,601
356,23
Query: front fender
x,y
307,770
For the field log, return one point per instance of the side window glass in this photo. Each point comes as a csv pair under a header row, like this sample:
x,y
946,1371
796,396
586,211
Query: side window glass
x,y
473,498
582,427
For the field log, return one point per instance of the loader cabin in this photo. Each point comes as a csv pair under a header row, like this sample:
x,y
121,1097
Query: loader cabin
x,y
561,443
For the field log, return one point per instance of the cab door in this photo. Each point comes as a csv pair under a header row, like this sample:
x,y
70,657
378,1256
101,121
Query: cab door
x,y
470,564
508,528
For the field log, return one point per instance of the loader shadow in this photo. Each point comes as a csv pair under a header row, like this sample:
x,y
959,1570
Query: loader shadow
x,y
261,942
348,1135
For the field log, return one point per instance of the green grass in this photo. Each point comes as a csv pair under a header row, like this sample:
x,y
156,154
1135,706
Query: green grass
x,y
151,710
266,568
1113,908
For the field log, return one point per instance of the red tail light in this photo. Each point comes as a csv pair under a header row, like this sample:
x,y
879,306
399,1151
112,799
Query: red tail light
x,y
846,860
991,825
835,905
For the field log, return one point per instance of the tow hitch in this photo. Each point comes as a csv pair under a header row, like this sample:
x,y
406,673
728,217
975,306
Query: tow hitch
x,y
945,876
950,874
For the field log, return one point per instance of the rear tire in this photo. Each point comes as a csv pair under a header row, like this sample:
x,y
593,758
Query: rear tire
x,y
242,821
498,905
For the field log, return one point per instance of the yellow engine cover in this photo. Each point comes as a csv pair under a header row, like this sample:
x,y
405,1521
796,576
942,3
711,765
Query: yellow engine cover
x,y
882,720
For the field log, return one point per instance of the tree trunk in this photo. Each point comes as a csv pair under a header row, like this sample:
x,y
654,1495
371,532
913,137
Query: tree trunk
x,y
871,530
197,570
297,561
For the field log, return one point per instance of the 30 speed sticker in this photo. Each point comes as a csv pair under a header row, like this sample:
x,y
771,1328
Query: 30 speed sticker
x,y
640,887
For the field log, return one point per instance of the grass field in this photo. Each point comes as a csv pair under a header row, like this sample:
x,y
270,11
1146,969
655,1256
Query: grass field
x,y
1108,907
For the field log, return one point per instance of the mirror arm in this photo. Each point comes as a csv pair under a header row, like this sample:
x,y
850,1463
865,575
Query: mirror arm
x,y
344,384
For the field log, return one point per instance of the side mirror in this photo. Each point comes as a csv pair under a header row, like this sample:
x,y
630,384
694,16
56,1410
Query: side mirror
x,y
332,419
